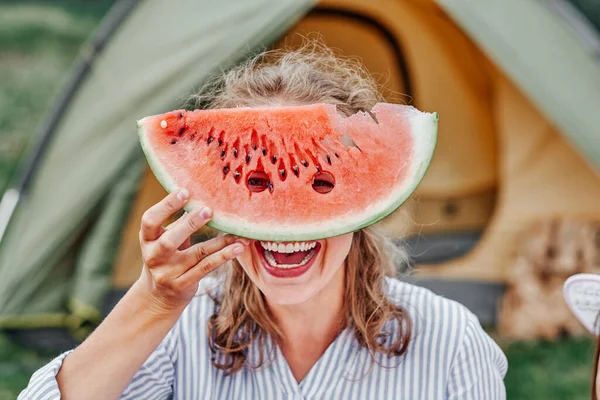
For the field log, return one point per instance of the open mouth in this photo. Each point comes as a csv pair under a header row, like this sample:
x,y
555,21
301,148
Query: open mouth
x,y
287,260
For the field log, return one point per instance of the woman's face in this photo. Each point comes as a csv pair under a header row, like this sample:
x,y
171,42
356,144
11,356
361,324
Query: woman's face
x,y
293,272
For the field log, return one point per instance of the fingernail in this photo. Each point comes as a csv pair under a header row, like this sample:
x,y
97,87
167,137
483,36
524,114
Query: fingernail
x,y
206,213
238,250
183,194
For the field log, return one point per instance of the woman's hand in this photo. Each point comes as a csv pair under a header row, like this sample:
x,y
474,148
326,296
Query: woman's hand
x,y
106,362
172,268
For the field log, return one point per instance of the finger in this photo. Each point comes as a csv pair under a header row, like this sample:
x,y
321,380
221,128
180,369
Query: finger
x,y
200,251
182,229
210,263
188,258
187,243
155,216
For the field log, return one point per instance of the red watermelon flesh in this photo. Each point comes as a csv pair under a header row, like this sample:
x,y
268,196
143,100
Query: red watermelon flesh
x,y
291,173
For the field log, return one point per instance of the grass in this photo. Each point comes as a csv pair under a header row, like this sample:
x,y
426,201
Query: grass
x,y
558,370
16,366
38,43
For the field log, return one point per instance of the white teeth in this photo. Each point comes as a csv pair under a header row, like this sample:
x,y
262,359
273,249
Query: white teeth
x,y
271,260
288,247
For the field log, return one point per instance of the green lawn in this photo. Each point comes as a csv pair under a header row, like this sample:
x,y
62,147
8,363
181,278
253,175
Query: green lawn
x,y
38,43
16,366
550,370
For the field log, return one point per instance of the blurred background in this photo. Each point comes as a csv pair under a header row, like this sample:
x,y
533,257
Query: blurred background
x,y
508,210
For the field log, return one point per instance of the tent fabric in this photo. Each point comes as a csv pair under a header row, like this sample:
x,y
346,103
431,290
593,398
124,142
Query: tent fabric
x,y
73,293
157,54
545,57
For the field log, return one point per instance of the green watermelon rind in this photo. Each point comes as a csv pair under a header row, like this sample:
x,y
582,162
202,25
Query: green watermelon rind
x,y
424,131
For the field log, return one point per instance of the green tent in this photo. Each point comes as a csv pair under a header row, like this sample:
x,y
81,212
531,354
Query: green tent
x,y
63,222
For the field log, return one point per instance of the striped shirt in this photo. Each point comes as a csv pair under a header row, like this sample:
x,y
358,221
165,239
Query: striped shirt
x,y
449,357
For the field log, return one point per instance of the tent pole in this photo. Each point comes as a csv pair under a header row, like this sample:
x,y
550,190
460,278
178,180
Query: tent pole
x,y
90,51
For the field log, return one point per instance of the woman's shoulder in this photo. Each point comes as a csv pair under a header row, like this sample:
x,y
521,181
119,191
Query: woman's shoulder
x,y
448,337
441,326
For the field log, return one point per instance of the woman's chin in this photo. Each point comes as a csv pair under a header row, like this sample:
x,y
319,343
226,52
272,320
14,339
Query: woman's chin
x,y
288,291
287,296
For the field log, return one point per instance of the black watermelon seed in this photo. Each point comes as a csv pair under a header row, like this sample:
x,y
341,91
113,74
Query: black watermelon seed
x,y
180,115
336,154
181,131
235,153
248,158
328,159
295,169
274,159
264,151
220,142
318,169
282,172
210,139
303,162
222,153
173,141
236,175
270,186
253,147
226,169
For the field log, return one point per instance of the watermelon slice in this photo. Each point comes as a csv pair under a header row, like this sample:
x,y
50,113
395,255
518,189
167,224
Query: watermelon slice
x,y
291,173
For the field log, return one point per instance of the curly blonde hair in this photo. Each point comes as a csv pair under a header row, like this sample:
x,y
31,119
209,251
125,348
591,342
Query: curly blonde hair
x,y
311,74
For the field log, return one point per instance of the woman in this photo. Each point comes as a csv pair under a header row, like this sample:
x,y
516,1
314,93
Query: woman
x,y
340,330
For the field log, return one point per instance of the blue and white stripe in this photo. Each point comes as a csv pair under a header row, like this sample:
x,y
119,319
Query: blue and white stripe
x,y
449,357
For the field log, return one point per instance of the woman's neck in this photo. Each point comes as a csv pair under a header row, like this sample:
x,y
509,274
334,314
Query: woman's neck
x,y
309,328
